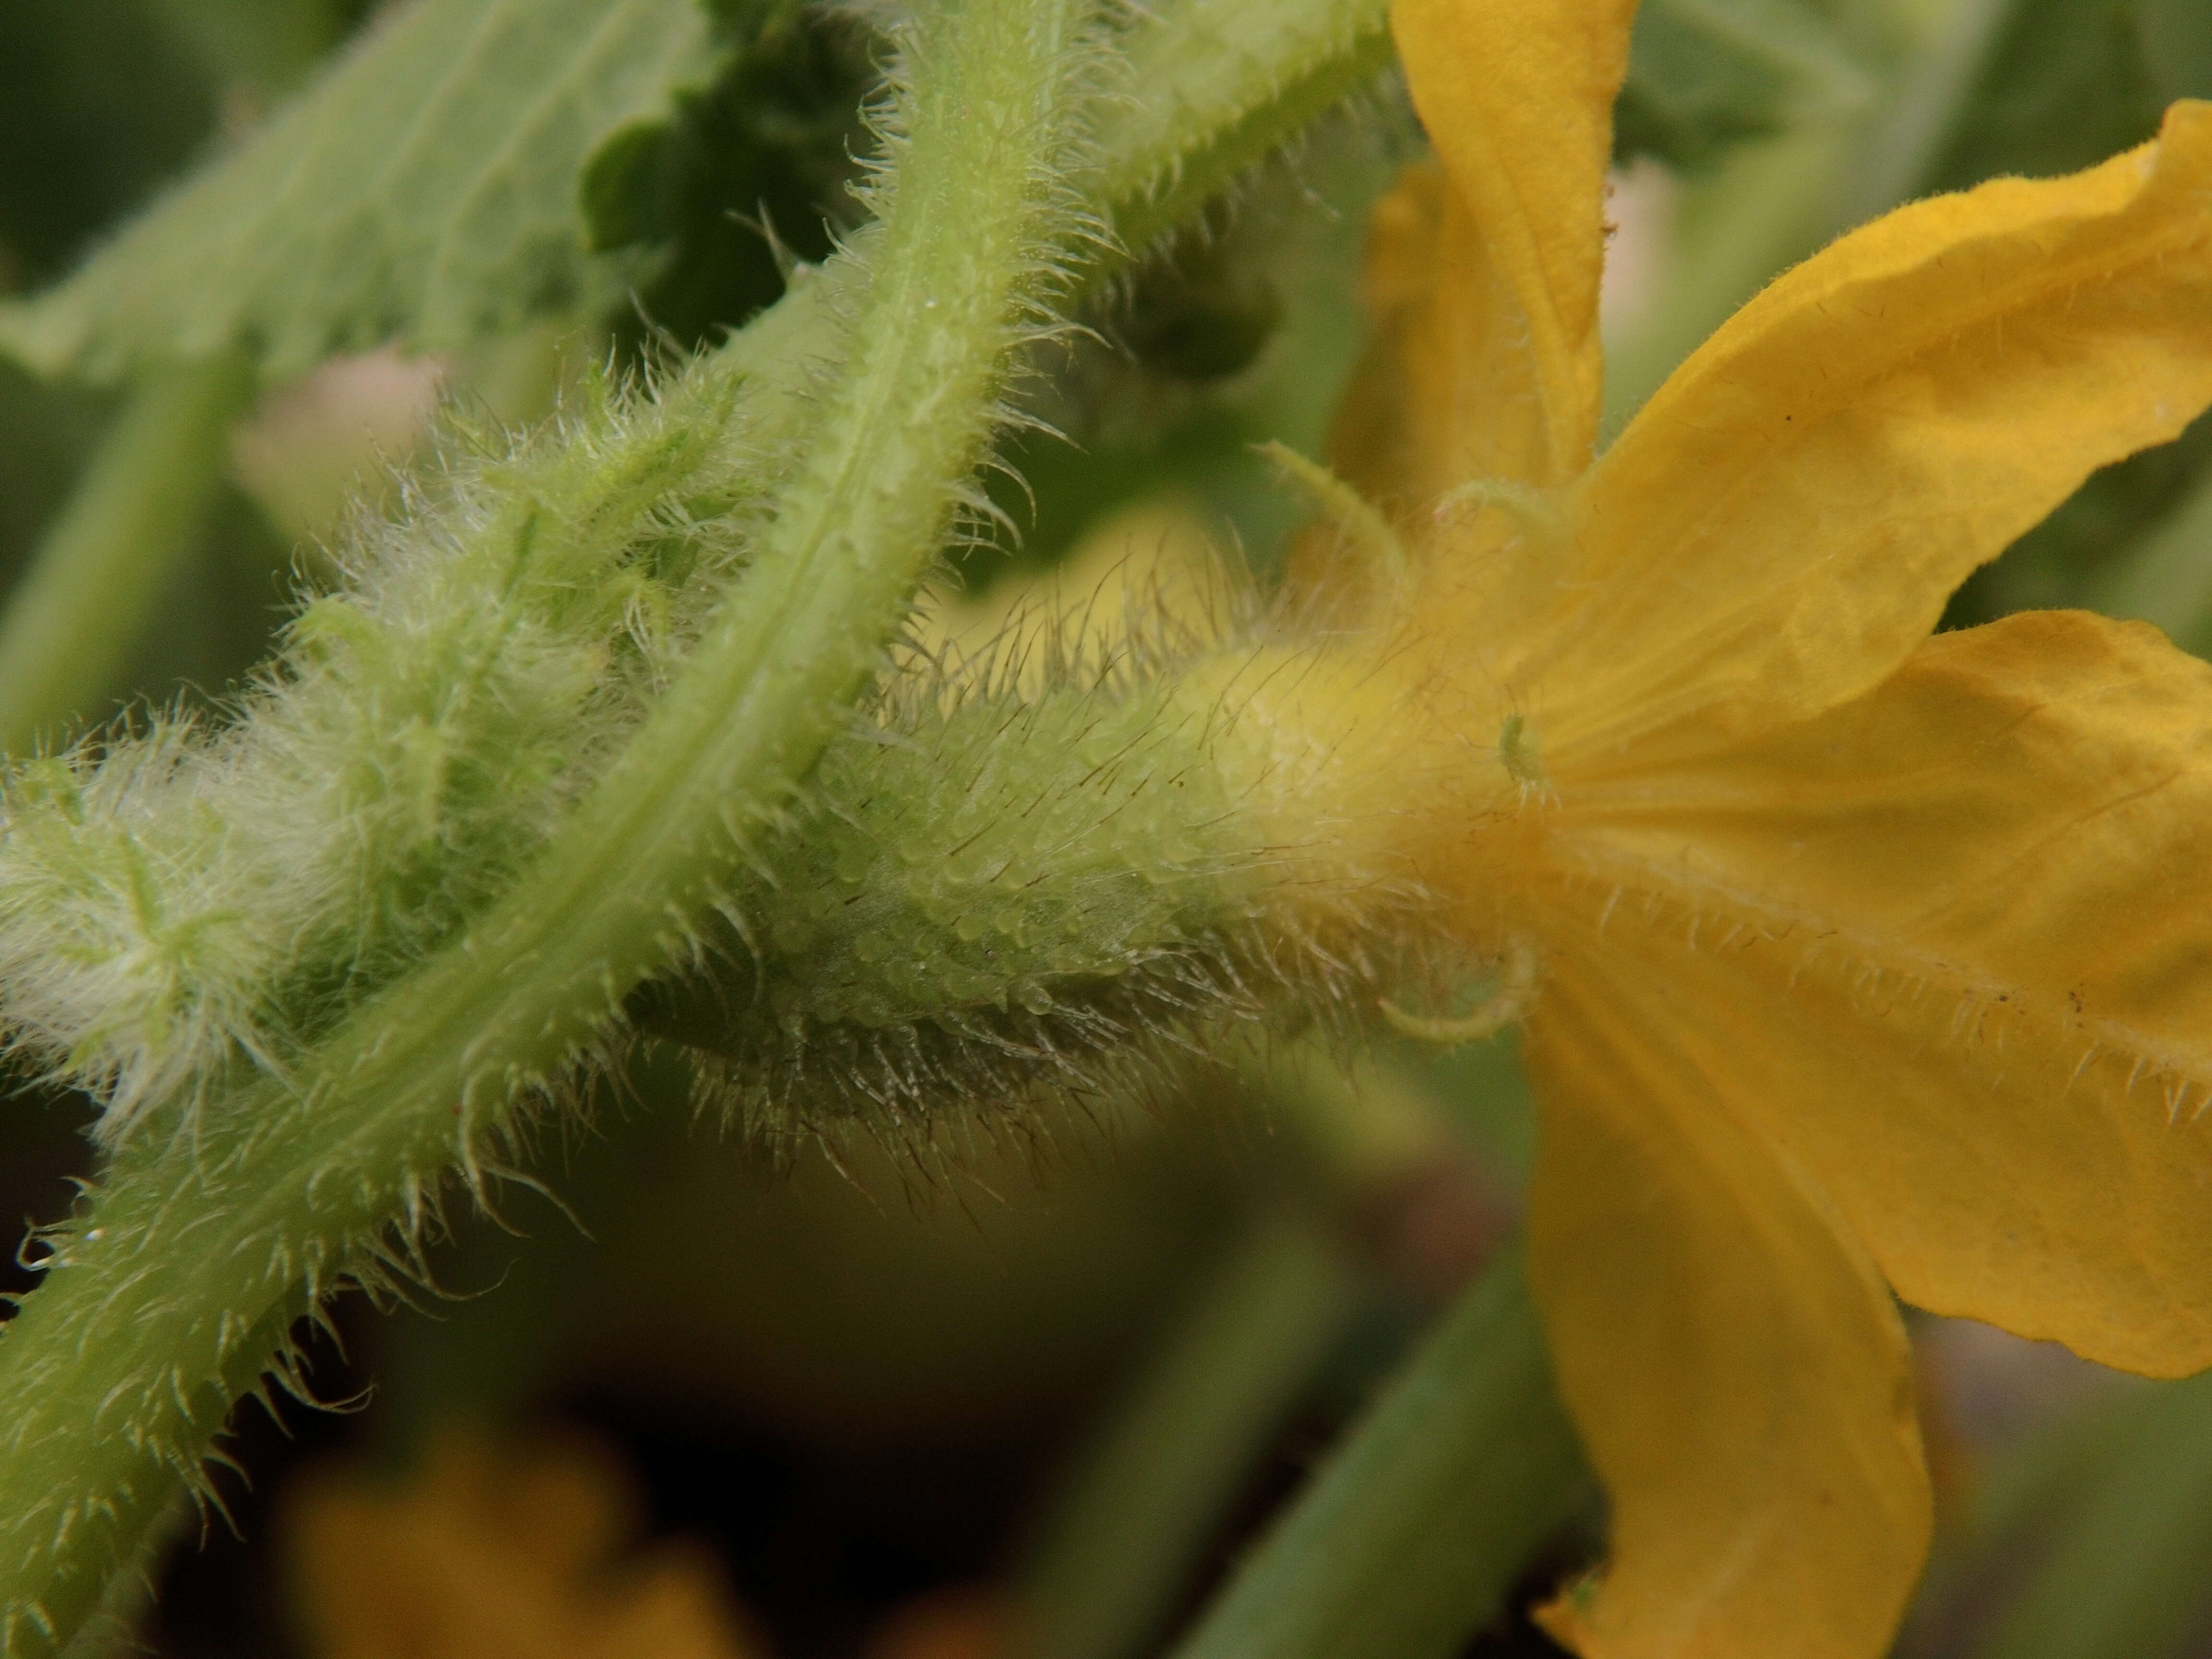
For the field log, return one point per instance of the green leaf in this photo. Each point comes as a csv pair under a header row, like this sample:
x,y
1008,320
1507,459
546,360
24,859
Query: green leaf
x,y
99,102
1406,1542
260,48
424,191
766,152
2092,550
1704,75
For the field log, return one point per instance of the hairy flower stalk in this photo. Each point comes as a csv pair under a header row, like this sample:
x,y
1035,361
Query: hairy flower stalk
x,y
993,895
176,1287
312,962
176,905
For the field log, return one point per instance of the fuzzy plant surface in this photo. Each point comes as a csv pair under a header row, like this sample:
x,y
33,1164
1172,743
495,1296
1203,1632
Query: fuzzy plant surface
x,y
617,750
987,896
176,907
292,1175
549,735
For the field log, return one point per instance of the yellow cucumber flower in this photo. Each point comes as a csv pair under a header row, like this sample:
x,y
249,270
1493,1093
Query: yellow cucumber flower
x,y
1868,961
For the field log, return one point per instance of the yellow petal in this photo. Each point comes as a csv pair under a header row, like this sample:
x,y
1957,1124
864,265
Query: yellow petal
x,y
1443,393
1952,946
1447,392
1785,519
486,1555
1738,1371
1484,278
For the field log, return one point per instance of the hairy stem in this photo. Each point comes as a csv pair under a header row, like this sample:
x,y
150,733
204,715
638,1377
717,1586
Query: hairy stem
x,y
870,394
1210,88
1408,1538
175,1290
1218,85
96,575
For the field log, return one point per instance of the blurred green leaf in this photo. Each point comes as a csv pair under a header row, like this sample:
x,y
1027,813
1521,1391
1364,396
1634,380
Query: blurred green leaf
x,y
1406,1540
425,191
45,432
1705,75
98,104
2167,578
1201,316
262,48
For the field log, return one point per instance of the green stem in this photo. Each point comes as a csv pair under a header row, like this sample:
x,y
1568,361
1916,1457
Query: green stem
x,y
171,1294
92,582
1407,1540
1216,86
1210,87
1116,1552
